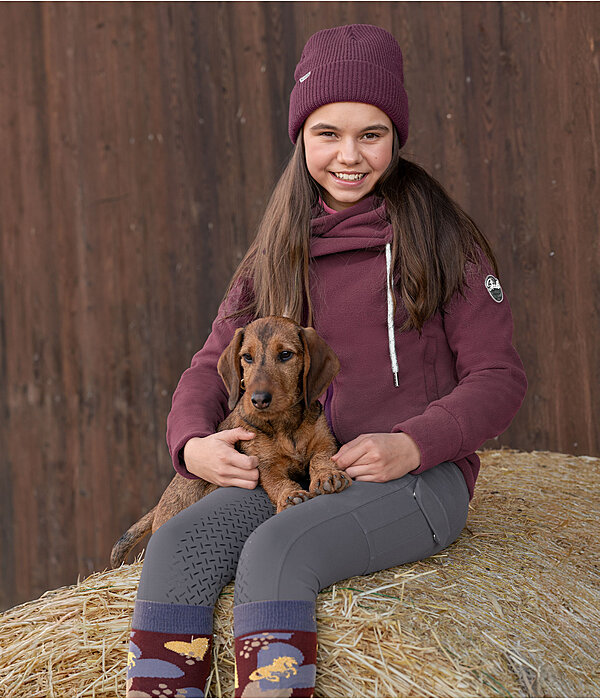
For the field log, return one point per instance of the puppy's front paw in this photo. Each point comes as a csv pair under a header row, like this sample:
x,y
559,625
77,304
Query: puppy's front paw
x,y
329,481
292,498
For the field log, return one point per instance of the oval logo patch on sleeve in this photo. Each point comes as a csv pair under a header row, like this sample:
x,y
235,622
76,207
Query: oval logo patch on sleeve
x,y
493,286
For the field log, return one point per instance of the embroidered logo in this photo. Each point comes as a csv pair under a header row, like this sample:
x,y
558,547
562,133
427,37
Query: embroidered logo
x,y
304,77
494,288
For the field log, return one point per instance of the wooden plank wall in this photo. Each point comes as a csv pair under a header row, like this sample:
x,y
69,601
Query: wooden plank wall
x,y
139,143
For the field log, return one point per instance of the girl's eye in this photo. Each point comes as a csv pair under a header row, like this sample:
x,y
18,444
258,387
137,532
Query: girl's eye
x,y
371,133
326,133
285,355
247,357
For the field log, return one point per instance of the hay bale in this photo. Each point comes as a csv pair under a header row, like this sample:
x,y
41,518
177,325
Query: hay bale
x,y
511,609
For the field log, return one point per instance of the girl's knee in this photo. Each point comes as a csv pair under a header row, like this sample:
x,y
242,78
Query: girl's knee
x,y
275,565
164,540
266,544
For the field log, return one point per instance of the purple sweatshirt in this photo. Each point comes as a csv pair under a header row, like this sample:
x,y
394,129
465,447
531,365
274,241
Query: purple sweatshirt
x,y
458,384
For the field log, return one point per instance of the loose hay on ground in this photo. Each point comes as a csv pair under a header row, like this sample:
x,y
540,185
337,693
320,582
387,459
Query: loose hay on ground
x,y
511,609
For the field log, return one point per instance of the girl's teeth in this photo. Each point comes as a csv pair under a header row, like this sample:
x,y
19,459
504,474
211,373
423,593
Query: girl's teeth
x,y
350,176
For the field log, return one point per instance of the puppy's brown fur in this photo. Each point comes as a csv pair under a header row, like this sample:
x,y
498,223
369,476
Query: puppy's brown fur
x,y
294,366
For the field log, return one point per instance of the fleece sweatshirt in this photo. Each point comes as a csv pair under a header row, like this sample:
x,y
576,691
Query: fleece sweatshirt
x,y
459,383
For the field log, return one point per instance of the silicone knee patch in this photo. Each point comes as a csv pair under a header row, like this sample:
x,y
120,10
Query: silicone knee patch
x,y
207,552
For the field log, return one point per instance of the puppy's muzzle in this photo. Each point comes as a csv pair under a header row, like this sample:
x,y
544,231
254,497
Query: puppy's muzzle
x,y
261,399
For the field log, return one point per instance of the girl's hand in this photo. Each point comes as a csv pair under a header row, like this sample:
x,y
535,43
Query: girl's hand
x,y
378,456
215,459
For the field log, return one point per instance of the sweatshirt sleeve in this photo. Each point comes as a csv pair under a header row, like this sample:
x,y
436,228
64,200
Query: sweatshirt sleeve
x,y
200,400
491,377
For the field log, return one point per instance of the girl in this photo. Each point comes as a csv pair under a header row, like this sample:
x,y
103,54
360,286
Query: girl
x,y
369,249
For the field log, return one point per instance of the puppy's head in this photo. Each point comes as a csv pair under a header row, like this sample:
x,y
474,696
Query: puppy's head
x,y
277,363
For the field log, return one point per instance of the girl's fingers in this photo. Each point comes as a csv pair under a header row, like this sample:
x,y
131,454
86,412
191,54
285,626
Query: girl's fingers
x,y
231,475
241,483
241,461
241,467
234,434
360,471
351,453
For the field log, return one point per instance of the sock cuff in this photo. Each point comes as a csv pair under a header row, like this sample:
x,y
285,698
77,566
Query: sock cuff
x,y
296,615
150,616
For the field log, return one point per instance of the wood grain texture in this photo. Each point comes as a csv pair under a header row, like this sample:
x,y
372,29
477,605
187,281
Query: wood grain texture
x,y
140,143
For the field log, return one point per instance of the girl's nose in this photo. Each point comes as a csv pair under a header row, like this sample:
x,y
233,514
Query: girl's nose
x,y
348,151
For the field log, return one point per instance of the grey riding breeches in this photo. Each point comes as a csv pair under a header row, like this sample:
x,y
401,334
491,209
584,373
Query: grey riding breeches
x,y
292,555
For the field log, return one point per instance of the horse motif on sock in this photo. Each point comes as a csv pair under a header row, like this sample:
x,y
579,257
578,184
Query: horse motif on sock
x,y
281,667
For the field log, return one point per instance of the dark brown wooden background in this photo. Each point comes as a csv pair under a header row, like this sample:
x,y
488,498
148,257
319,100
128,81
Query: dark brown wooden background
x,y
138,145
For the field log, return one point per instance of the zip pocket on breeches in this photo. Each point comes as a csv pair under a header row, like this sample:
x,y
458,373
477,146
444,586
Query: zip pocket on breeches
x,y
433,511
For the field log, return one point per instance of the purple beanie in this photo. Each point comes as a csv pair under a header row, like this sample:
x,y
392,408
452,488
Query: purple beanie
x,y
352,63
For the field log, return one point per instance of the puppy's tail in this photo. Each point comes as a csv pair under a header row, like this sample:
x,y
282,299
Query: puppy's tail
x,y
127,542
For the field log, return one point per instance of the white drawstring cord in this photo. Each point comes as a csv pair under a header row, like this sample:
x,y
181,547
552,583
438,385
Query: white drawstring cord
x,y
390,313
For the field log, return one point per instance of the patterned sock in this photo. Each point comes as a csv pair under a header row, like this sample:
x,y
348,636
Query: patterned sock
x,y
169,650
275,649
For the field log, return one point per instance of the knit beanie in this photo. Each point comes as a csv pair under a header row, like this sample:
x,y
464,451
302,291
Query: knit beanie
x,y
352,63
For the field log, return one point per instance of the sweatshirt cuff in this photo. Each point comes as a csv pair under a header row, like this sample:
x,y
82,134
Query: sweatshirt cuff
x,y
177,454
437,434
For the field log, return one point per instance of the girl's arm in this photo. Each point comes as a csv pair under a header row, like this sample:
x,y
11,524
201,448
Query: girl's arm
x,y
491,378
200,399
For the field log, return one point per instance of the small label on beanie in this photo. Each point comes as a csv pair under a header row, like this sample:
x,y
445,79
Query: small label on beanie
x,y
304,77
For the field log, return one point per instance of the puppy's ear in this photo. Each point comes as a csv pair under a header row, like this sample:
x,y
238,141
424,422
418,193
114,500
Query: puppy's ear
x,y
320,365
230,369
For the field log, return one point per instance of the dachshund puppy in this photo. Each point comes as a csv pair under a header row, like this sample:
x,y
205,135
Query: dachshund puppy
x,y
274,370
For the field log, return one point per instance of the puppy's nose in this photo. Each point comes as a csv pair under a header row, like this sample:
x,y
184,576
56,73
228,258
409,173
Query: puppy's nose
x,y
261,399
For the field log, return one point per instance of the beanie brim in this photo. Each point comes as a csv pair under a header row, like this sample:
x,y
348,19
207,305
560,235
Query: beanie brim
x,y
349,81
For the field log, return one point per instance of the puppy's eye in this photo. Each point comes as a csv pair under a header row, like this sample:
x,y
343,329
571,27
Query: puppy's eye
x,y
247,357
285,355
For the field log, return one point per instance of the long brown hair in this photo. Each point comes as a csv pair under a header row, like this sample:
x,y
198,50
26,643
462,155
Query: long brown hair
x,y
433,238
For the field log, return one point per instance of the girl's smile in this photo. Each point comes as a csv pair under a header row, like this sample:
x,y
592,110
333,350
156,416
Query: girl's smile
x,y
348,146
349,178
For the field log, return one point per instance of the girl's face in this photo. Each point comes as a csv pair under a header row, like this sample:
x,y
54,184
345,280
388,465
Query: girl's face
x,y
348,145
